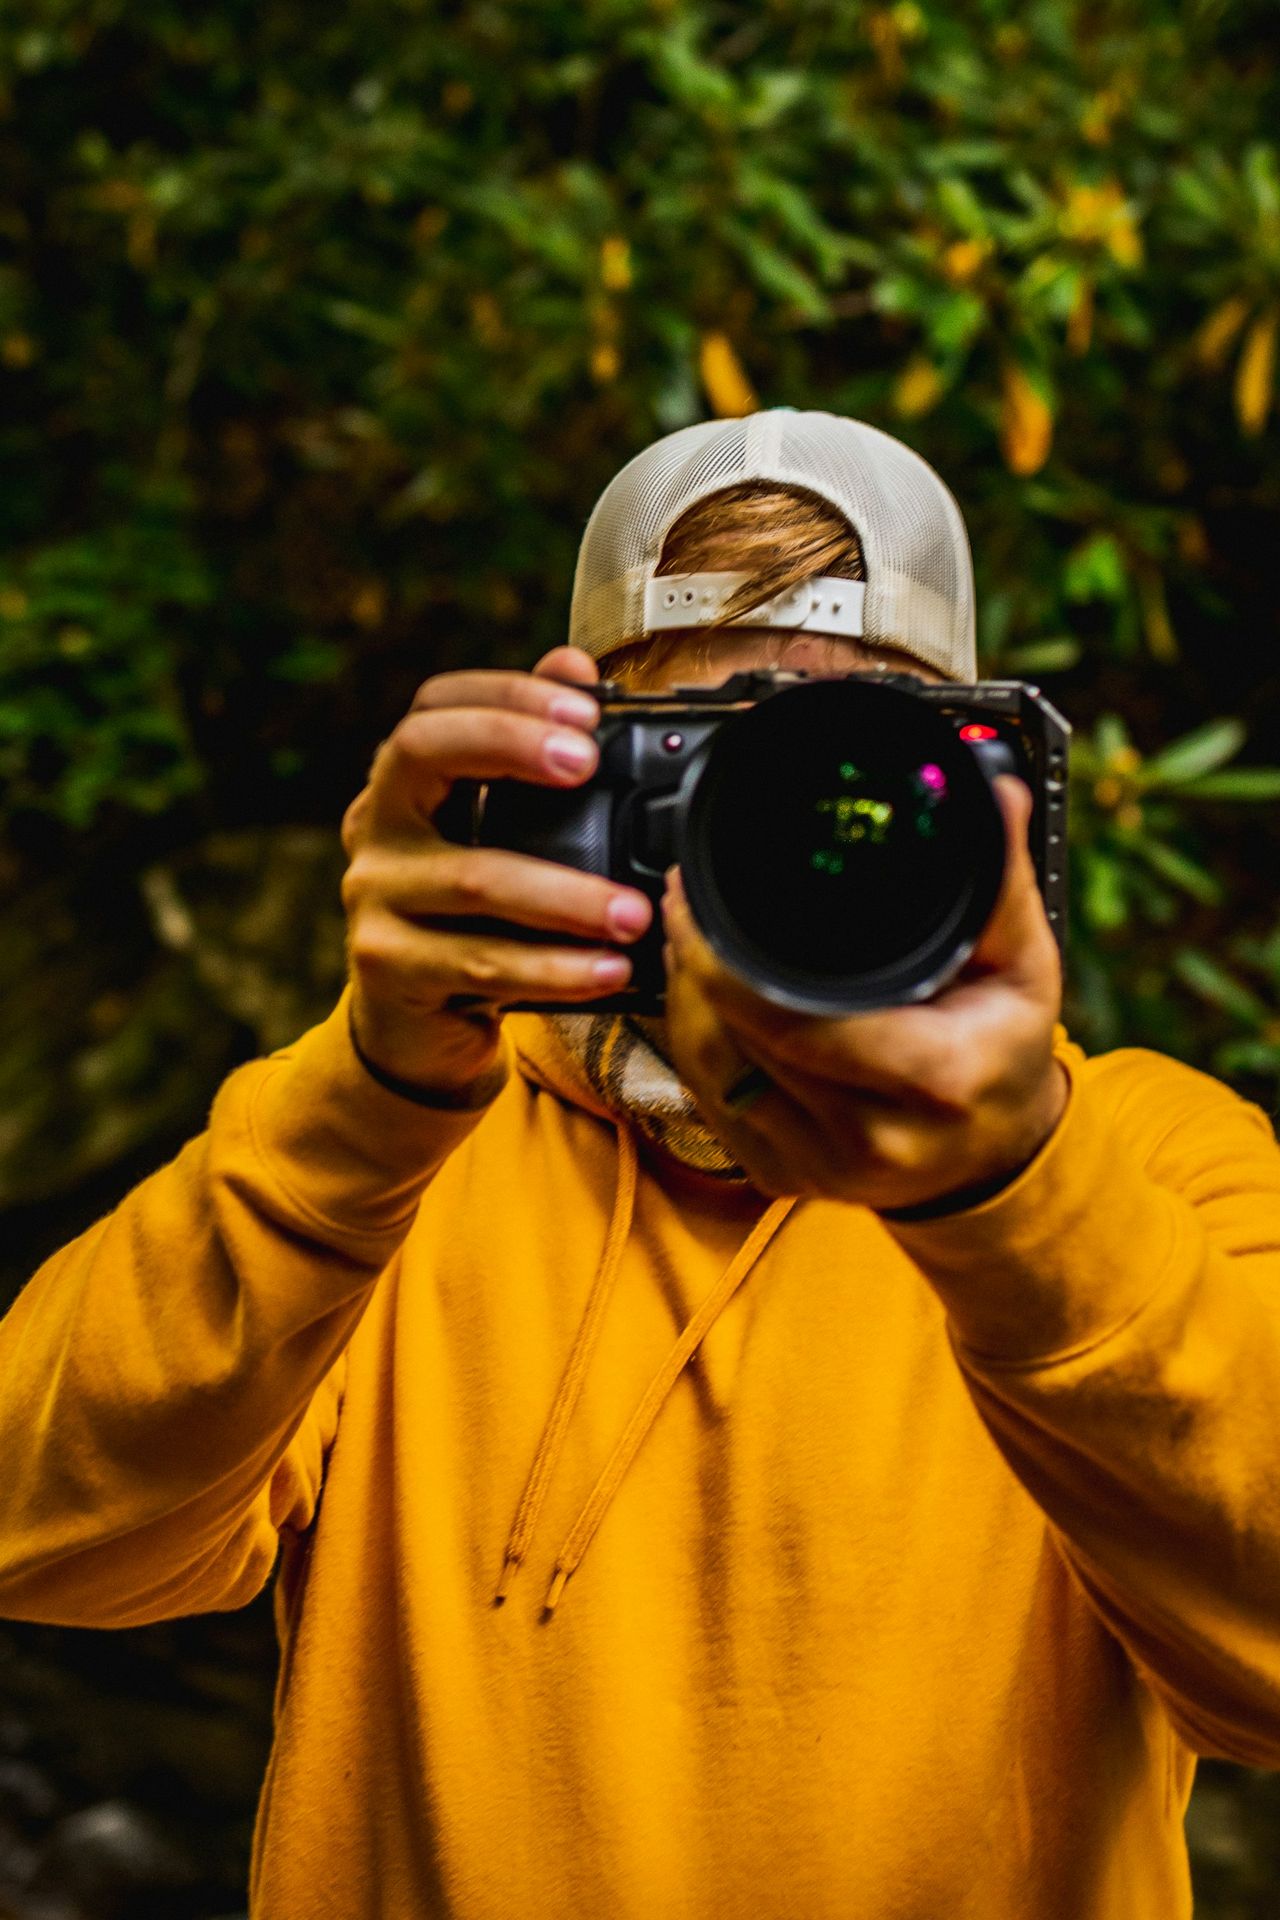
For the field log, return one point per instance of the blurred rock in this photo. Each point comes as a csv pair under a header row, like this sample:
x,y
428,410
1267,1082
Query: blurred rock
x,y
259,914
106,1041
1216,1835
113,1860
26,1794
124,1000
18,1860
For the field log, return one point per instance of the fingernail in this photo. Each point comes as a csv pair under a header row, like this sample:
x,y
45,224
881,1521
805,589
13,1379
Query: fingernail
x,y
569,752
611,970
575,710
627,915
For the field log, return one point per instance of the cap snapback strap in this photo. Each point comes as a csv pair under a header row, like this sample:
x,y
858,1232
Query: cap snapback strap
x,y
825,604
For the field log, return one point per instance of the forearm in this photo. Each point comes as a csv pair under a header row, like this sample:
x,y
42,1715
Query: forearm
x,y
156,1368
1120,1335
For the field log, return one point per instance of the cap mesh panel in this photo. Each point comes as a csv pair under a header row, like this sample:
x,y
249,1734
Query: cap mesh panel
x,y
915,550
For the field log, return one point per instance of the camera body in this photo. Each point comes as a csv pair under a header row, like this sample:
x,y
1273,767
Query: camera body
x,y
839,839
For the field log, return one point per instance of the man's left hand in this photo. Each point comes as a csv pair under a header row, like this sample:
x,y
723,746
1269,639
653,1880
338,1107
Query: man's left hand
x,y
902,1107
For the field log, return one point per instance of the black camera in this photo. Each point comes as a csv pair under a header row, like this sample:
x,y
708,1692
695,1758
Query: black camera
x,y
841,844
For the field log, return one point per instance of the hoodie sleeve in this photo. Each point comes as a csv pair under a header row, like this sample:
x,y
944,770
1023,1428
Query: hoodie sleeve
x,y
1116,1316
170,1381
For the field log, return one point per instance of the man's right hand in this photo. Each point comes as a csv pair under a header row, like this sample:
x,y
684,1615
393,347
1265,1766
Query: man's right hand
x,y
427,994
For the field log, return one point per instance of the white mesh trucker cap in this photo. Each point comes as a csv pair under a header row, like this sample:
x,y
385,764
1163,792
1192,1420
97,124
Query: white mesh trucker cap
x,y
918,593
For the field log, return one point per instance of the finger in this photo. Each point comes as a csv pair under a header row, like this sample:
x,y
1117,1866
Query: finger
x,y
524,692
503,885
774,1139
482,967
1014,938
911,1054
430,750
569,663
800,1038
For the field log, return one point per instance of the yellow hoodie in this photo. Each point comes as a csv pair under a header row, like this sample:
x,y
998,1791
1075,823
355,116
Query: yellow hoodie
x,y
899,1573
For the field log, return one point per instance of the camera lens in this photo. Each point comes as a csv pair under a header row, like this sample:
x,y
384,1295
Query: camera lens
x,y
843,848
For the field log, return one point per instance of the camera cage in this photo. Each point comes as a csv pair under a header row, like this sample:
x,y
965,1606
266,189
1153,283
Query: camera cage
x,y
1027,724
1031,739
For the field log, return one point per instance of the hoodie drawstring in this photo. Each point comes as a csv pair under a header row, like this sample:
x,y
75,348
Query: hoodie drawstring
x,y
655,1394
575,1373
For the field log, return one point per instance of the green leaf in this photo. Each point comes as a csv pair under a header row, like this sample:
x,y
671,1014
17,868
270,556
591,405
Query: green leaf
x,y
1263,178
955,320
1110,736
1238,783
1195,754
1247,1056
691,81
309,660
1096,570
962,206
1179,870
1057,655
1219,987
351,317
1104,897
774,273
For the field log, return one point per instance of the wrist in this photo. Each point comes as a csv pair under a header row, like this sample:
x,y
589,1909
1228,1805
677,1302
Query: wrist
x,y
1037,1129
459,1074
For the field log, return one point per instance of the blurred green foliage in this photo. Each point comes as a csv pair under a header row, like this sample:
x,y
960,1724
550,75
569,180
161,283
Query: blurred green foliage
x,y
320,335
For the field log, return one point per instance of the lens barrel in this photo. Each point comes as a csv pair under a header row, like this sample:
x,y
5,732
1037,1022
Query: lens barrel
x,y
842,847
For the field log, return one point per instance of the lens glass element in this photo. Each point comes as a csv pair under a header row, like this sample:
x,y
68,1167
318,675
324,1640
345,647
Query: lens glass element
x,y
840,827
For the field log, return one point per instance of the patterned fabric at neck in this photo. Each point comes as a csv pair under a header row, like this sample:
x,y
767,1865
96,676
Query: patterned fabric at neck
x,y
625,1062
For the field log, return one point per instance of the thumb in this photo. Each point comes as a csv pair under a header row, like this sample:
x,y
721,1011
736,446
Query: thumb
x,y
569,663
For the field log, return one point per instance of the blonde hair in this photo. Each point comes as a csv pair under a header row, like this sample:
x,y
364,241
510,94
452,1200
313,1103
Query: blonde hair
x,y
776,535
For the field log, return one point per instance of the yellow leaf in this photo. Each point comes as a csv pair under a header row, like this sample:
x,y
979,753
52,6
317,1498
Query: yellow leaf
x,y
1193,541
13,602
963,258
606,363
1026,424
429,225
369,604
727,387
116,196
1095,122
1124,241
1256,373
917,389
615,263
17,350
1156,623
140,242
1172,471
885,35
486,317
1101,216
1080,319
1214,339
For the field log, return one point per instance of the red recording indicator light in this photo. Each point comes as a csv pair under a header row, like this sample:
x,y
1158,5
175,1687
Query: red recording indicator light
x,y
976,731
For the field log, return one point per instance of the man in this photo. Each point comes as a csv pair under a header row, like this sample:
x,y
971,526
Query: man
x,y
854,1496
